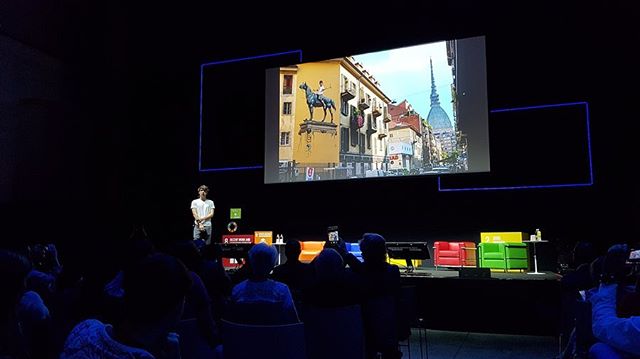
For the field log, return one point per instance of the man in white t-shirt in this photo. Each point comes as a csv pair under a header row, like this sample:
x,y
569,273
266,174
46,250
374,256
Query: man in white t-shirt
x,y
202,210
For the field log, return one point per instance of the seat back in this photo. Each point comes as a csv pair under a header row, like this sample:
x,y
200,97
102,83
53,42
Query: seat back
x,y
441,246
309,250
258,313
456,254
583,325
333,332
516,250
516,256
454,246
243,341
442,254
354,248
491,247
380,320
491,255
407,311
192,344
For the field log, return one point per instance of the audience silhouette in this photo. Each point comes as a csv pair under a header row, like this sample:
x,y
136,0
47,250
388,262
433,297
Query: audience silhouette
x,y
260,300
331,284
293,273
154,293
24,319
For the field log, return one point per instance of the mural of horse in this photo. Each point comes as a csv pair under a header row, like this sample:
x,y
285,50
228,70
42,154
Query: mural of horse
x,y
313,101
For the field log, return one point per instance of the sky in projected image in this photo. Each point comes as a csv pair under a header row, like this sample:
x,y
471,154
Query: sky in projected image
x,y
404,74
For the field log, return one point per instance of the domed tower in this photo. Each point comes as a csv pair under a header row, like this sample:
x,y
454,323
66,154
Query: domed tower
x,y
443,130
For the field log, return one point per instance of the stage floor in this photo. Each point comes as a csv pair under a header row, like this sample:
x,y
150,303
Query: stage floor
x,y
426,272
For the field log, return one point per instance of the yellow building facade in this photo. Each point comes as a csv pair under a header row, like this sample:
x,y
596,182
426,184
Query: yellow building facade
x,y
332,144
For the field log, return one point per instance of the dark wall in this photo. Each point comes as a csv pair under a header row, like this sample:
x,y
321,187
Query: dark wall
x,y
125,149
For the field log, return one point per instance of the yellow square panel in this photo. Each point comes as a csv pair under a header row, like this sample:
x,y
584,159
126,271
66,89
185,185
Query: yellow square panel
x,y
263,236
503,237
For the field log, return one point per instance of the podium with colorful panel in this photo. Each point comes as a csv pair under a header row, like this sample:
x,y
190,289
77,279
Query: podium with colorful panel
x,y
503,251
236,246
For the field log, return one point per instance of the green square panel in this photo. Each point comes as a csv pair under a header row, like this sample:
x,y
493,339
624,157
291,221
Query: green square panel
x,y
236,213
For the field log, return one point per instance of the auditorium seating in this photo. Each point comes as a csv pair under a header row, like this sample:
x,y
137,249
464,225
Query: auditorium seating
x,y
334,332
454,254
505,256
242,341
354,248
192,344
309,250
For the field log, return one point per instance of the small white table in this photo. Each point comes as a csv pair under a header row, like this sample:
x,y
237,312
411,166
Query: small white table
x,y
535,258
278,247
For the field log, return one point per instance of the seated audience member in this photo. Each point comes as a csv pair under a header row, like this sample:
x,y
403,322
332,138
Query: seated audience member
x,y
22,313
573,286
242,271
215,278
135,249
581,277
198,302
260,300
293,273
378,276
46,269
380,283
154,295
614,333
331,284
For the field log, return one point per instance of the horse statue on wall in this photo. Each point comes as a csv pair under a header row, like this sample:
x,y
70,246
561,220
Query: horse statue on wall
x,y
314,101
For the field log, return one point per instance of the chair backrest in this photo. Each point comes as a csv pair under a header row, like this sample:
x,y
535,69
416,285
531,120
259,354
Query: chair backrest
x,y
242,341
454,246
309,250
516,251
192,344
380,319
354,248
407,311
492,247
334,332
312,245
584,333
258,313
442,246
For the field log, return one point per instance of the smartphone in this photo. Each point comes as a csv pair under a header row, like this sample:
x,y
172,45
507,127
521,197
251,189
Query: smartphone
x,y
634,255
333,233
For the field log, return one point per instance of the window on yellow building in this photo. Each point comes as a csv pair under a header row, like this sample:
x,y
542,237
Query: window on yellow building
x,y
287,85
286,108
284,138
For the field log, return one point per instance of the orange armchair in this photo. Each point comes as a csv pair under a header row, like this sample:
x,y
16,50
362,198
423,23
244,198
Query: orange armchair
x,y
454,254
309,250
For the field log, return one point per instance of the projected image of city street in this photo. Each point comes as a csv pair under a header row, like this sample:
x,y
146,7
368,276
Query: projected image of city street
x,y
387,113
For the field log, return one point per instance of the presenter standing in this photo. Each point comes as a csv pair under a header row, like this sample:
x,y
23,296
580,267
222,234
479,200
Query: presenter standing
x,y
202,210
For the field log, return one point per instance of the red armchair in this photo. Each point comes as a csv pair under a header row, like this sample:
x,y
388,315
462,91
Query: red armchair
x,y
454,254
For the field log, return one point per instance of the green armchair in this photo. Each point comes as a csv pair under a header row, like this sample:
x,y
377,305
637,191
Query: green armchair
x,y
505,256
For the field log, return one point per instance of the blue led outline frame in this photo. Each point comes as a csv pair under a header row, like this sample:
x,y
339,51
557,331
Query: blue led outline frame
x,y
202,66
590,183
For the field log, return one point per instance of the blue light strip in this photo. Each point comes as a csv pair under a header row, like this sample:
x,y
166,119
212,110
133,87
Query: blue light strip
x,y
200,169
590,183
230,168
